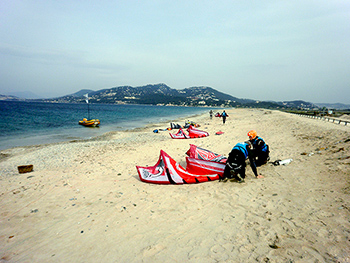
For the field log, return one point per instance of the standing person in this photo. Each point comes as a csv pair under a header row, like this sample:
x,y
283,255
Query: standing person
x,y
211,114
224,115
235,164
260,148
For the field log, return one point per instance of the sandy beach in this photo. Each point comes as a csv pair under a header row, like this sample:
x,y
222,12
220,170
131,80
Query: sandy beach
x,y
84,202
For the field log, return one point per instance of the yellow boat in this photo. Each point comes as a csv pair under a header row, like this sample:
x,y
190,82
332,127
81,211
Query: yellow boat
x,y
86,122
90,123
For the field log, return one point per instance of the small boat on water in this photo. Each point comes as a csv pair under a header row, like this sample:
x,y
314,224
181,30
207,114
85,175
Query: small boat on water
x,y
89,122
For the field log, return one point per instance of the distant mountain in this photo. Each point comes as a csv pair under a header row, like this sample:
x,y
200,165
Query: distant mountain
x,y
336,106
298,104
157,94
8,97
25,95
161,94
82,92
207,93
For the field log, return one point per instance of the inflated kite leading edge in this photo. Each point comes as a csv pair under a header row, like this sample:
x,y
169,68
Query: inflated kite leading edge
x,y
168,171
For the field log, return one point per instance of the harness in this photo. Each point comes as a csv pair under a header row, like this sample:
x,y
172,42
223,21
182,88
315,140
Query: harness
x,y
264,147
242,147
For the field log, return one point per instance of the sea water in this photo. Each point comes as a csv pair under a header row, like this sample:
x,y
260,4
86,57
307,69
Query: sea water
x,y
31,123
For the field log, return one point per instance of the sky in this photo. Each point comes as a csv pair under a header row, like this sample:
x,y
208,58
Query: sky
x,y
263,50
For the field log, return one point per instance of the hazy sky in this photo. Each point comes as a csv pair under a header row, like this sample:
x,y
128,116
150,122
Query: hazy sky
x,y
264,50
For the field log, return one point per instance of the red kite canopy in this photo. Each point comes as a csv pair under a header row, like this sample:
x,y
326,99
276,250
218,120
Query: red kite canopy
x,y
192,133
168,171
204,167
203,154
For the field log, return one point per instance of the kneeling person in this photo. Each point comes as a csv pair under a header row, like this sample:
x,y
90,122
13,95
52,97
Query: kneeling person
x,y
260,148
235,164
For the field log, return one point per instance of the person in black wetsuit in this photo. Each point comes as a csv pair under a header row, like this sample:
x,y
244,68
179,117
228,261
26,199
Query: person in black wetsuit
x,y
235,164
260,148
224,115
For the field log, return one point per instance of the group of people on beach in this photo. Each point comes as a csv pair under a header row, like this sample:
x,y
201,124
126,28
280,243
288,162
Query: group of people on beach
x,y
255,149
223,115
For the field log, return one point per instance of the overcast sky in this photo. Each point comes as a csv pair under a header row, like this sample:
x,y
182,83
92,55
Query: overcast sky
x,y
264,50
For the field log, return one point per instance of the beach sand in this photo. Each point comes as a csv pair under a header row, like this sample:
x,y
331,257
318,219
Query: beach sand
x,y
84,202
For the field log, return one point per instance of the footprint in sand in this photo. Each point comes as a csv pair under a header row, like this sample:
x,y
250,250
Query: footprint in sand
x,y
152,250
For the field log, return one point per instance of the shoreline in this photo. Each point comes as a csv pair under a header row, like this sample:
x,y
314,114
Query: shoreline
x,y
46,136
120,136
84,200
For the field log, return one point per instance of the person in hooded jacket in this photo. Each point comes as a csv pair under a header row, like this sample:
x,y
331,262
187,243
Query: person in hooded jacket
x,y
260,148
236,162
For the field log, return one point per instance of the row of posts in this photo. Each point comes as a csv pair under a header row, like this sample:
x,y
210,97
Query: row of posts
x,y
325,118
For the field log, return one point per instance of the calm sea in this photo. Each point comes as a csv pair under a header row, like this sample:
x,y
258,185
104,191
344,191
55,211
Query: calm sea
x,y
32,123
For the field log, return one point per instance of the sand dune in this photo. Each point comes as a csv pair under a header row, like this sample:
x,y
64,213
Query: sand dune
x,y
84,201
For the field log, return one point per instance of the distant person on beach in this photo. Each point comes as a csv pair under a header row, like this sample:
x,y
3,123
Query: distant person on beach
x,y
211,114
260,148
235,164
224,115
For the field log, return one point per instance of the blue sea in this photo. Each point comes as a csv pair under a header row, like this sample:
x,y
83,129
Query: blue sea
x,y
33,123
